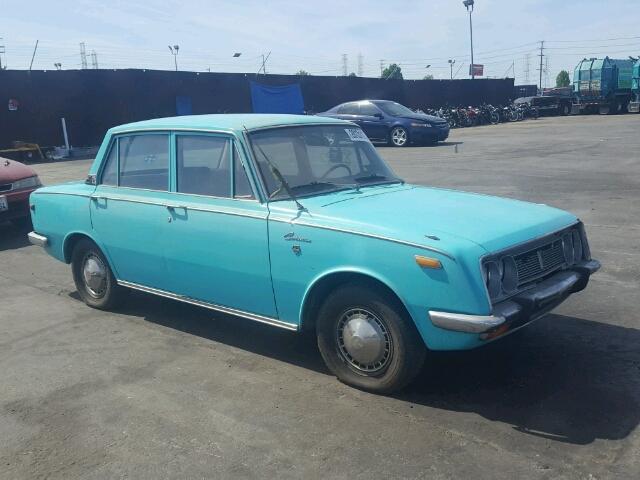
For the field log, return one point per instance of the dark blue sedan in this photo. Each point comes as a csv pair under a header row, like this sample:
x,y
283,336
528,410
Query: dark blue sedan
x,y
390,122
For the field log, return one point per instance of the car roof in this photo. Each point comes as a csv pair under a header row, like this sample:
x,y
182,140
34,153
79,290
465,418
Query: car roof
x,y
233,122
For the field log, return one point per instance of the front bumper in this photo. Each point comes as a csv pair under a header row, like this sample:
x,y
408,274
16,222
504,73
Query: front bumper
x,y
523,308
18,203
433,134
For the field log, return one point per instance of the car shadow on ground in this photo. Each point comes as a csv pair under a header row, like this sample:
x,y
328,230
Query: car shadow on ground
x,y
12,237
563,378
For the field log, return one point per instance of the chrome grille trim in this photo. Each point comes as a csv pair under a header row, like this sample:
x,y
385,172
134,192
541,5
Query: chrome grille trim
x,y
539,261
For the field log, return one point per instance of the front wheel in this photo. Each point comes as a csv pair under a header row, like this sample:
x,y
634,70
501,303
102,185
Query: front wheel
x,y
367,340
93,277
398,137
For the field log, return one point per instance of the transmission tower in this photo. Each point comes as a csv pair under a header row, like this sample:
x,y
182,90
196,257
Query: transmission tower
x,y
546,71
527,60
344,64
83,56
381,67
360,65
94,59
2,52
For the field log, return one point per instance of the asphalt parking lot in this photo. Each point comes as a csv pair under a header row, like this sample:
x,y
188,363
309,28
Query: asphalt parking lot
x,y
161,389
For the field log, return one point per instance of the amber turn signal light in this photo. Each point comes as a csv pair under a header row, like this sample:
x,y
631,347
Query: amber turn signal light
x,y
428,262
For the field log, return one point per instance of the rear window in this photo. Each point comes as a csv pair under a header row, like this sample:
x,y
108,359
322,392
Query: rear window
x,y
144,161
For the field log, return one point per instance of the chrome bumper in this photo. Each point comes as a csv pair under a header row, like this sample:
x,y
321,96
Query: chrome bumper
x,y
523,308
38,239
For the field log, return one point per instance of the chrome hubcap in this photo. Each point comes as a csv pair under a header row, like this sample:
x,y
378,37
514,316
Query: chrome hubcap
x,y
95,275
399,136
364,341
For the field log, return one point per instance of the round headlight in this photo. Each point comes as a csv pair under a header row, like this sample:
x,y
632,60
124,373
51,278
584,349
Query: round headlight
x,y
577,246
493,278
567,248
509,275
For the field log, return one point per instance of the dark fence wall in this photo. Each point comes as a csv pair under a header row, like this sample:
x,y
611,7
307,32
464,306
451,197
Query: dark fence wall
x,y
92,101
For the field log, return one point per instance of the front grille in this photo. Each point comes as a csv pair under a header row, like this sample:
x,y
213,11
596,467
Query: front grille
x,y
536,263
5,187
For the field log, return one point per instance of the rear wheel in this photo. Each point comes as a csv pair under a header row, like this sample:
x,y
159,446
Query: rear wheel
x,y
93,277
367,340
398,137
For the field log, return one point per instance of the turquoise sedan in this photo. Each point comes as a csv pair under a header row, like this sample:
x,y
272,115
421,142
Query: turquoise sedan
x,y
298,223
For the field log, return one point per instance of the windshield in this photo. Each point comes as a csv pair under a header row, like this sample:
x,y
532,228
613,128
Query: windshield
x,y
317,159
394,109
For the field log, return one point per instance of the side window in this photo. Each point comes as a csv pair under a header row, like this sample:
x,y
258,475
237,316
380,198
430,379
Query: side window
x,y
203,165
144,161
368,109
348,109
241,185
110,169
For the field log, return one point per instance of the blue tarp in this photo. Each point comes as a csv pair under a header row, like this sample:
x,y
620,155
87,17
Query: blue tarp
x,y
183,106
283,99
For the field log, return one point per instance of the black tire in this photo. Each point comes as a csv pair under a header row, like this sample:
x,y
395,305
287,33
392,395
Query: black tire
x,y
403,349
395,136
109,294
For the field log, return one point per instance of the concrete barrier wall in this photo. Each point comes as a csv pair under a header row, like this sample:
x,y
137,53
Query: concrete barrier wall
x,y
94,100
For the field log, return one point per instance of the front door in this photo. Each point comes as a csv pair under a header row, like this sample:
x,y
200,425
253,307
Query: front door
x,y
128,207
216,246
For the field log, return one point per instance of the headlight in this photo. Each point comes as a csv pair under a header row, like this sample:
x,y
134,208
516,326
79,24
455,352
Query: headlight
x,y
509,275
428,125
567,248
577,246
493,277
26,183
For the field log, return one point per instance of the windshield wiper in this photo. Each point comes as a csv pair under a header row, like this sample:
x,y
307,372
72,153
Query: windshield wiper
x,y
377,176
276,173
316,183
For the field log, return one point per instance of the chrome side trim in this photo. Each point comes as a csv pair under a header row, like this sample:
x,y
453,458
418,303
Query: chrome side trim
x,y
99,196
37,239
211,306
368,235
459,322
85,195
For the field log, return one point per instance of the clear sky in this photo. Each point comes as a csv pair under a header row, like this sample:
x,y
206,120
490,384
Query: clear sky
x,y
313,35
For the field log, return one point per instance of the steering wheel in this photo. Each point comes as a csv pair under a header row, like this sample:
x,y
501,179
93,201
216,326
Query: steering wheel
x,y
335,167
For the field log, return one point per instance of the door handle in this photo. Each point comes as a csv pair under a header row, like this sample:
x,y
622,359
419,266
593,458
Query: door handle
x,y
175,207
96,198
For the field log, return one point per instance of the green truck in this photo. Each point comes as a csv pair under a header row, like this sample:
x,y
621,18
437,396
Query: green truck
x,y
603,85
634,104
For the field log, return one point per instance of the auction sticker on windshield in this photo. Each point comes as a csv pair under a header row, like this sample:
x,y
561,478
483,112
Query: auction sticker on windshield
x,y
356,135
3,203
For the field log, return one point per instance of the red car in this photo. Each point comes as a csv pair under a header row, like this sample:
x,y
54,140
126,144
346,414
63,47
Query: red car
x,y
17,181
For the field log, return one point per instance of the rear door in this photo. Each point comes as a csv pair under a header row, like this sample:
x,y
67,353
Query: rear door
x,y
128,207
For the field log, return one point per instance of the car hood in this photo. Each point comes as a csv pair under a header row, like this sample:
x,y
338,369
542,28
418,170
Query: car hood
x,y
10,171
439,218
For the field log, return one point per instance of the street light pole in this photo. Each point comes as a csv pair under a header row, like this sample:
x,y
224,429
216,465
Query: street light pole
x,y
469,4
174,52
451,64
